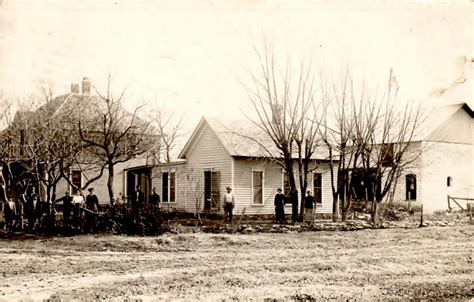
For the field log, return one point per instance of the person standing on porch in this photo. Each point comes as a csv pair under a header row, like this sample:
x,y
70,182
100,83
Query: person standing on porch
x,y
154,200
229,203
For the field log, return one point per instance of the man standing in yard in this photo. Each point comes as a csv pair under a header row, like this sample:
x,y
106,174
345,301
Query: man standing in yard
x,y
9,214
308,207
92,205
67,210
78,203
229,202
279,207
33,211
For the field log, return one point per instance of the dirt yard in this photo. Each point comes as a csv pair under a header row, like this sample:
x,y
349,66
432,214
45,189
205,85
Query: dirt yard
x,y
433,262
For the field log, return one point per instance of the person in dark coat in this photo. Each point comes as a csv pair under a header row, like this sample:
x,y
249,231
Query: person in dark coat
x,y
9,214
154,199
92,205
308,207
279,207
33,211
138,198
67,210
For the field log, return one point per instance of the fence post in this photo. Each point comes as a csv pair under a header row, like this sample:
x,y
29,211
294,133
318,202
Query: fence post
x,y
449,204
421,216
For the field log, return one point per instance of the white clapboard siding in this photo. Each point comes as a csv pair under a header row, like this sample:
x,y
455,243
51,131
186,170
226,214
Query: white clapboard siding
x,y
207,153
273,179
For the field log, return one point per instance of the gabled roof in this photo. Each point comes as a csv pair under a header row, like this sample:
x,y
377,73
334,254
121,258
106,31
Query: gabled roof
x,y
437,115
240,138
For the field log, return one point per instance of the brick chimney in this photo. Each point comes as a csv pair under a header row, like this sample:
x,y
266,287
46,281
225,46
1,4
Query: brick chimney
x,y
86,86
74,88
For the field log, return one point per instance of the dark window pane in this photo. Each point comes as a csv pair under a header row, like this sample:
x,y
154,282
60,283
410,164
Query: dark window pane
x,y
164,187
76,180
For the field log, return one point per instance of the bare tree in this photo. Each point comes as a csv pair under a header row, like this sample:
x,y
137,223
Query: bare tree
x,y
372,138
169,127
39,146
194,189
285,104
113,135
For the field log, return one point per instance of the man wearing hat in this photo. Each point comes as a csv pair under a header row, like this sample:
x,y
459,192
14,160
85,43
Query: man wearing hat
x,y
229,202
67,209
92,204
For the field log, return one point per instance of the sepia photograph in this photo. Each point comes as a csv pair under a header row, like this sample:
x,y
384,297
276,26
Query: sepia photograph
x,y
236,150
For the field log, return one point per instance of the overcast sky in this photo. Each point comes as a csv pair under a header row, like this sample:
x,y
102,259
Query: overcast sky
x,y
193,55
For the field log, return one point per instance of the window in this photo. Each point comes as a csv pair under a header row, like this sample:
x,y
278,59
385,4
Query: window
x,y
172,187
410,187
449,181
76,180
317,188
387,154
257,187
168,187
164,187
286,184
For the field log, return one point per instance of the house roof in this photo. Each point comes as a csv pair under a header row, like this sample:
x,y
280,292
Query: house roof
x,y
76,106
437,115
240,138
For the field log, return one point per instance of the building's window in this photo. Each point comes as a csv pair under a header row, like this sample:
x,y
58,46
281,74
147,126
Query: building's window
x,y
76,180
168,187
286,184
164,187
257,187
387,154
411,187
449,181
172,187
317,188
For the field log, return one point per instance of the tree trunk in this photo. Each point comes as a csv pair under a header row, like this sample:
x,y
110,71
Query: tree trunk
x,y
374,211
110,182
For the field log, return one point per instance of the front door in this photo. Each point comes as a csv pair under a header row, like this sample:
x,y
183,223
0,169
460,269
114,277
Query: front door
x,y
211,190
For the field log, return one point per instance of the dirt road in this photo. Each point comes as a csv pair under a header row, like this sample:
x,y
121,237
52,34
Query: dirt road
x,y
435,262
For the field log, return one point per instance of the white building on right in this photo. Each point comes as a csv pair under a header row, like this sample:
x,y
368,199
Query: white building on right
x,y
446,162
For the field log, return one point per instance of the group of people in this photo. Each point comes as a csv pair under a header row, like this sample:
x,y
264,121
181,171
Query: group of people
x,y
279,202
79,212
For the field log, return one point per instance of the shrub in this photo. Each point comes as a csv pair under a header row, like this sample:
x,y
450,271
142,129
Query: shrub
x,y
125,219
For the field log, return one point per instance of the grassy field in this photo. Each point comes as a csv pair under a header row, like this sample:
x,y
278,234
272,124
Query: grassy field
x,y
433,262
